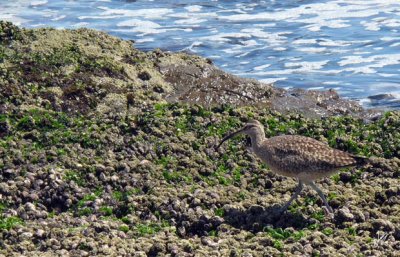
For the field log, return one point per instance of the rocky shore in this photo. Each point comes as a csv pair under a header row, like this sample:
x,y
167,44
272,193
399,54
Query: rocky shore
x,y
106,150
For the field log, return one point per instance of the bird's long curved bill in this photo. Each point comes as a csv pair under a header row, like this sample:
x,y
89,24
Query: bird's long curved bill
x,y
229,137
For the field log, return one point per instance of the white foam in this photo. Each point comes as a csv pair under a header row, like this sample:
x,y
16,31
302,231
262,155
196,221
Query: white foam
x,y
261,67
389,38
312,49
375,61
138,23
269,73
80,24
223,37
234,51
304,41
141,26
144,40
193,45
59,18
156,13
316,88
387,75
189,21
372,26
14,19
268,37
332,10
334,43
249,43
183,15
391,23
317,23
364,70
361,52
271,80
331,14
146,31
339,51
355,59
306,66
38,25
331,83
242,54
98,17
292,68
376,24
264,16
279,49
194,8
364,101
369,65
38,3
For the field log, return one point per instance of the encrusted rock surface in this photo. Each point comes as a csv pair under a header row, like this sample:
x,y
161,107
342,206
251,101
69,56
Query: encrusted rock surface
x,y
109,151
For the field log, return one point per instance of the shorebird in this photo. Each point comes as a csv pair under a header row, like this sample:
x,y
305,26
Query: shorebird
x,y
300,157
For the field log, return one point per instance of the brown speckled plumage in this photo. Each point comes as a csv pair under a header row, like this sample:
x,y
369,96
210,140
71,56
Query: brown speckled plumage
x,y
296,156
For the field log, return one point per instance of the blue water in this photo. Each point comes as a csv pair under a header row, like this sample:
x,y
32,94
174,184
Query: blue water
x,y
348,45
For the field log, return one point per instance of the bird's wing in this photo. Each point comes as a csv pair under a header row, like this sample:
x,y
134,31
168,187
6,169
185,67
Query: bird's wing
x,y
308,154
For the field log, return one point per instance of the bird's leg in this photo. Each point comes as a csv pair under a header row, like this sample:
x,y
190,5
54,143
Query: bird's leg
x,y
321,194
294,196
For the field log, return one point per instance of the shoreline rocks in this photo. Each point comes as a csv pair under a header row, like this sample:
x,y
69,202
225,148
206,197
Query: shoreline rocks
x,y
82,70
107,150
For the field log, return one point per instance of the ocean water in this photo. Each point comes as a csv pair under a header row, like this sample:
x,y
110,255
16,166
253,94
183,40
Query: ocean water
x,y
352,46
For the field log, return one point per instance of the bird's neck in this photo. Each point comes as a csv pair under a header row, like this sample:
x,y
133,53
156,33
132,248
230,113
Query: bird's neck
x,y
257,139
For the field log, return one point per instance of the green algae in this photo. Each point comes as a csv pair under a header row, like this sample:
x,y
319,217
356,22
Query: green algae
x,y
7,223
138,165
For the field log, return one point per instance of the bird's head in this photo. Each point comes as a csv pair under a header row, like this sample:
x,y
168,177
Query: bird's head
x,y
252,128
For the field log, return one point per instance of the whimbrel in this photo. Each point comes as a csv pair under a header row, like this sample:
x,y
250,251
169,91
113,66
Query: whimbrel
x,y
296,156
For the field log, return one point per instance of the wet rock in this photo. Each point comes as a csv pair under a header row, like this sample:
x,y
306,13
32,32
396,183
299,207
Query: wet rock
x,y
100,168
308,249
345,177
26,236
156,249
344,215
383,225
209,242
381,97
359,216
204,84
40,233
144,76
4,128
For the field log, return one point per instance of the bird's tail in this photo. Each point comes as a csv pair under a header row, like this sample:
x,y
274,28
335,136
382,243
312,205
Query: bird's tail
x,y
361,160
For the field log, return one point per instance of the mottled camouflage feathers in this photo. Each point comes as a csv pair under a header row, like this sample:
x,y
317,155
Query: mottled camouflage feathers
x,y
296,156
303,154
300,157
